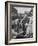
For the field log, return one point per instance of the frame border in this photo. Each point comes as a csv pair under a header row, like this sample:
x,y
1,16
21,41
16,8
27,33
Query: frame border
x,y
6,19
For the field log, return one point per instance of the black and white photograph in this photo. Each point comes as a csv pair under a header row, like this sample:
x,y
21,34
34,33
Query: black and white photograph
x,y
20,22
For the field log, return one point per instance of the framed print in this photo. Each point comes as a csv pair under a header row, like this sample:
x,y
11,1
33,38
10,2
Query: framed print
x,y
20,22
